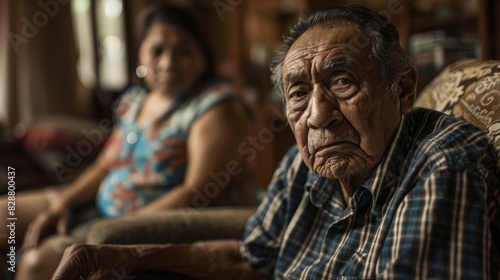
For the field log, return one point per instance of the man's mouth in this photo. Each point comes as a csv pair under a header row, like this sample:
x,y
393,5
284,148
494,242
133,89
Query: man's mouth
x,y
328,147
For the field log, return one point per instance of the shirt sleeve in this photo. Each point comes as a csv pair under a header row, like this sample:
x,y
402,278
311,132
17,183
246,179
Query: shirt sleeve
x,y
447,227
263,235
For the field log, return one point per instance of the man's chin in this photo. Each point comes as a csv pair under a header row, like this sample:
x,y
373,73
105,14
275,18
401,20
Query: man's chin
x,y
336,168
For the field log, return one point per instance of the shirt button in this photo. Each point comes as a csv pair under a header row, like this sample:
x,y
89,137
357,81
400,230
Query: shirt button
x,y
132,137
340,225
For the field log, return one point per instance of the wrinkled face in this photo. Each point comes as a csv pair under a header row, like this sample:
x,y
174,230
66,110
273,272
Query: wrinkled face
x,y
173,59
335,103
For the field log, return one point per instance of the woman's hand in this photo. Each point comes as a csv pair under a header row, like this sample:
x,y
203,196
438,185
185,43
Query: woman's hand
x,y
53,219
95,262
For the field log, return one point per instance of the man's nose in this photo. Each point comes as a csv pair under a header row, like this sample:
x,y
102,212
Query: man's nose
x,y
324,109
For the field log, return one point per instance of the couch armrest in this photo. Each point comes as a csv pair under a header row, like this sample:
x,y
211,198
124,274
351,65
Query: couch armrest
x,y
173,226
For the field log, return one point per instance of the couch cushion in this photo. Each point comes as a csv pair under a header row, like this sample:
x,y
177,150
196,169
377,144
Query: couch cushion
x,y
468,90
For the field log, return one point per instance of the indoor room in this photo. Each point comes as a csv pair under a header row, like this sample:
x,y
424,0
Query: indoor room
x,y
146,122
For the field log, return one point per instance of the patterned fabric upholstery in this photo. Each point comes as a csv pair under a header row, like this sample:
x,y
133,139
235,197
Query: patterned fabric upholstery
x,y
468,90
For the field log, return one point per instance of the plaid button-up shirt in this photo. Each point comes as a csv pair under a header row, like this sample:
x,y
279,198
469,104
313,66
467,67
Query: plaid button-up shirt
x,y
429,210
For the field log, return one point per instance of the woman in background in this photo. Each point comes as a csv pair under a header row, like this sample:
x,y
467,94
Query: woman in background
x,y
167,144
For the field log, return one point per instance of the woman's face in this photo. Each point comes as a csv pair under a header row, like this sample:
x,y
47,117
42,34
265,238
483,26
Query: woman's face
x,y
173,59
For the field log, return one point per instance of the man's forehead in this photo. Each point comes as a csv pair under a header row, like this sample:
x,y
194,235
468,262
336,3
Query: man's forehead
x,y
322,40
313,51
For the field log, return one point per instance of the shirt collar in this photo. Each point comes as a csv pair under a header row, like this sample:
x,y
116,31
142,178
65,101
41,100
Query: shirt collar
x,y
387,175
319,189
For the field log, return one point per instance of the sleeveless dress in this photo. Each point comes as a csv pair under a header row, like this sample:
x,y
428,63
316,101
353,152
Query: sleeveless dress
x,y
147,161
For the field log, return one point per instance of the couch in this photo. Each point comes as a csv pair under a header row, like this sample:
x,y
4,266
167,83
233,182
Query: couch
x,y
467,89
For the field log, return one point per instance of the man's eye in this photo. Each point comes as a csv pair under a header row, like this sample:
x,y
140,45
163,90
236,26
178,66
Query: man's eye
x,y
298,91
298,94
342,82
341,85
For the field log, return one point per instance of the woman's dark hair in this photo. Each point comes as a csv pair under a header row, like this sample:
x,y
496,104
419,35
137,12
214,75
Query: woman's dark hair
x,y
181,17
382,35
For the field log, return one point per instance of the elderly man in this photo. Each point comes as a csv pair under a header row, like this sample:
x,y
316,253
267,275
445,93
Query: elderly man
x,y
373,189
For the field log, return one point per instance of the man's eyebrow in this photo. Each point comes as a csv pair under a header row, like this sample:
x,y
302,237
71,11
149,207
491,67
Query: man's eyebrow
x,y
294,76
327,65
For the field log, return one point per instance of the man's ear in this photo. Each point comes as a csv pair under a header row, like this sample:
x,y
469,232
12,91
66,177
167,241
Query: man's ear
x,y
408,93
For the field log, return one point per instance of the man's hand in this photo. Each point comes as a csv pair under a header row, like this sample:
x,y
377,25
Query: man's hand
x,y
96,262
219,259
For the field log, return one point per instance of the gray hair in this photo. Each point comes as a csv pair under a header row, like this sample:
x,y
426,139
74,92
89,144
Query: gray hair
x,y
382,35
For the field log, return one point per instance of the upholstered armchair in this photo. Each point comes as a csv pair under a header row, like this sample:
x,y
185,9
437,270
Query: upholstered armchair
x,y
468,90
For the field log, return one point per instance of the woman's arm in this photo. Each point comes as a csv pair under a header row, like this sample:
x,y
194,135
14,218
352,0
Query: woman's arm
x,y
84,189
201,260
212,148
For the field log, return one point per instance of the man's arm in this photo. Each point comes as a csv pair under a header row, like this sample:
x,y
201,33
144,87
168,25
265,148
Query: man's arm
x,y
448,225
201,260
